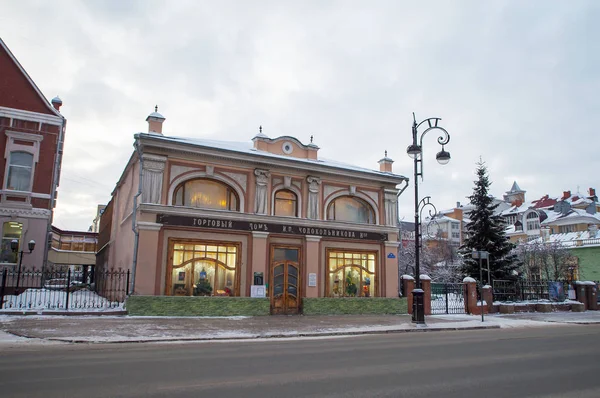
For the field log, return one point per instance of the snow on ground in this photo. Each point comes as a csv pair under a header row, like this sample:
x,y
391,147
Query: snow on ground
x,y
46,299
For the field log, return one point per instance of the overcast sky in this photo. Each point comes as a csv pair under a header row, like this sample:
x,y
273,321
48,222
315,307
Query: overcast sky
x,y
515,82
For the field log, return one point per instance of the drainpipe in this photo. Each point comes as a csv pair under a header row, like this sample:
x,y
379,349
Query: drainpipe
x,y
55,182
136,233
400,234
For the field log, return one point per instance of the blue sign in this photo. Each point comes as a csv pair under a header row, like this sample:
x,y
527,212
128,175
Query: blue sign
x,y
391,255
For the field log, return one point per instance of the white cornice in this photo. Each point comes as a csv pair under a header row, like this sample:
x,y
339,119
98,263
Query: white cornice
x,y
32,116
25,213
313,238
148,226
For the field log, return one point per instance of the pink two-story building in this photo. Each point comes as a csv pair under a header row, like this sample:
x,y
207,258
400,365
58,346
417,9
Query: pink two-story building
x,y
201,217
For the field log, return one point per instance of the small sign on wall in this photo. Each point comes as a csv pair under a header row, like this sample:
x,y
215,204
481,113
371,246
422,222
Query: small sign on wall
x,y
391,255
258,291
312,279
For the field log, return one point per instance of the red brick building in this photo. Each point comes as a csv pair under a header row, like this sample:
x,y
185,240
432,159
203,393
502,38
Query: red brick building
x,y
31,141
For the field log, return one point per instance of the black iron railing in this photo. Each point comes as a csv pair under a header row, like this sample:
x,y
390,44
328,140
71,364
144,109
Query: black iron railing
x,y
58,289
508,290
448,298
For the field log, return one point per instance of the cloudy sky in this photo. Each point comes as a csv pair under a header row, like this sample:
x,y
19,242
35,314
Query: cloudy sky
x,y
516,83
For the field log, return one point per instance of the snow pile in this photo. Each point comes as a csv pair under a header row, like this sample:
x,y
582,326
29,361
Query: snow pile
x,y
40,299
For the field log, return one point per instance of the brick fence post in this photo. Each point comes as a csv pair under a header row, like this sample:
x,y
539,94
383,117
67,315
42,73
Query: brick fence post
x,y
408,285
426,286
470,295
580,294
591,292
488,297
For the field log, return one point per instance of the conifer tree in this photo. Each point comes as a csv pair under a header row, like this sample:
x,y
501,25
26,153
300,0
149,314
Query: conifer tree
x,y
486,232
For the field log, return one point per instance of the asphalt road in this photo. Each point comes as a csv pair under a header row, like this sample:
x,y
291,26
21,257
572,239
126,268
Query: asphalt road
x,y
557,361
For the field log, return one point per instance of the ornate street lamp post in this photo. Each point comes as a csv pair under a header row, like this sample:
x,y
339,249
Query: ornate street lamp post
x,y
415,151
14,245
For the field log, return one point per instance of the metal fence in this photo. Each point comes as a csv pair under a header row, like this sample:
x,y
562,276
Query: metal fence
x,y
448,298
57,289
508,290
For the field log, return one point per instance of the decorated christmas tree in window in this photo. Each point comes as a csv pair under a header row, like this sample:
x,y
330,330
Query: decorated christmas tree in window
x,y
203,287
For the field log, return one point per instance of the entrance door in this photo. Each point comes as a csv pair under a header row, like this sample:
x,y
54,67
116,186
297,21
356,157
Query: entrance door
x,y
285,281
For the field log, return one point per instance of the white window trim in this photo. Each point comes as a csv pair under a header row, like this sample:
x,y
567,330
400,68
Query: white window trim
x,y
11,147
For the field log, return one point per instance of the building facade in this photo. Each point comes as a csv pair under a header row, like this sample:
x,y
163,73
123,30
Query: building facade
x,y
31,136
74,250
200,217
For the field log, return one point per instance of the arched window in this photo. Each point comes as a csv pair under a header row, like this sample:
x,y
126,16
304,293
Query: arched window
x,y
348,208
205,193
19,171
533,221
286,203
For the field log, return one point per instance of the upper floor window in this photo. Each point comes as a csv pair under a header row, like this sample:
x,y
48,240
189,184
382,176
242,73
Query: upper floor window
x,y
533,221
563,229
454,225
286,203
205,193
10,231
348,208
19,171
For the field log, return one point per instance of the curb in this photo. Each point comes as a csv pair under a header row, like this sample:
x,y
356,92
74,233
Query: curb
x,y
276,336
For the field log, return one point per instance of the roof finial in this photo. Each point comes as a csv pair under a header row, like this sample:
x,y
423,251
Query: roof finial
x,y
155,108
386,153
260,129
311,139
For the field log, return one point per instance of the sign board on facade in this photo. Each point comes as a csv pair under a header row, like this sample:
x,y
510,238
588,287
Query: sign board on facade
x,y
258,291
238,225
391,255
312,279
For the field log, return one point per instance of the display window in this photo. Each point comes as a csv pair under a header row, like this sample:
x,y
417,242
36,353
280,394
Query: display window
x,y
203,269
351,273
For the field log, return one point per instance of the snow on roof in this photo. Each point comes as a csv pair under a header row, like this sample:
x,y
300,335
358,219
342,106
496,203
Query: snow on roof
x,y
567,239
573,213
247,147
156,115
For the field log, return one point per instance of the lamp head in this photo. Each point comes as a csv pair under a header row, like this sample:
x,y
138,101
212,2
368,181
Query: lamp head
x,y
443,157
14,245
31,245
413,150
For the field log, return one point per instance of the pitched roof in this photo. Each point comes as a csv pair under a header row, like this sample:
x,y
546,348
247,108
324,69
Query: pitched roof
x,y
515,188
11,93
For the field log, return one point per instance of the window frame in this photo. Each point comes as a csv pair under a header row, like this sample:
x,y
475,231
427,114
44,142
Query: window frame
x,y
328,272
169,283
20,239
331,206
296,202
13,167
229,188
21,142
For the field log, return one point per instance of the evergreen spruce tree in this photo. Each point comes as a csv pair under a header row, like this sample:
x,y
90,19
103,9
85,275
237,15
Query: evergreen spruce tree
x,y
486,231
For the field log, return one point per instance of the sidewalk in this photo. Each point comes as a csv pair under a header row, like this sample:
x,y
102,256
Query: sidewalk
x,y
121,329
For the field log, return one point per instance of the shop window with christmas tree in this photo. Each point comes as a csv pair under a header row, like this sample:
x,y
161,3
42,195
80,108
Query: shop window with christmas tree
x,y
351,274
203,270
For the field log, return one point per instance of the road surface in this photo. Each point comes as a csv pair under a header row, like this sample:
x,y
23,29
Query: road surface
x,y
554,361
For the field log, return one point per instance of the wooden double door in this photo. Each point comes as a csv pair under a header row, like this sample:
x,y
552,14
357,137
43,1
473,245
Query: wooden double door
x,y
285,286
